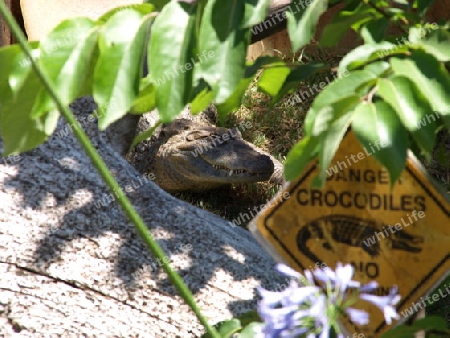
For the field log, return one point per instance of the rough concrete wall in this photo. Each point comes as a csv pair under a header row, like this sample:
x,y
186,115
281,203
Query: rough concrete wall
x,y
71,267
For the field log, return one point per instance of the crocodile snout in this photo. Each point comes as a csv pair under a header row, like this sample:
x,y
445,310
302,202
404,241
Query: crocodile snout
x,y
263,164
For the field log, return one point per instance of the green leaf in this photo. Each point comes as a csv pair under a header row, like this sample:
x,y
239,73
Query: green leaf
x,y
299,157
144,135
367,53
21,68
422,5
202,99
327,115
335,91
252,68
296,75
87,88
8,59
375,31
417,33
302,24
159,4
402,2
430,323
118,70
234,101
18,130
65,55
248,317
378,68
171,58
251,330
342,21
50,121
255,12
225,44
437,43
144,9
378,128
429,75
402,331
273,77
331,137
412,109
146,100
228,328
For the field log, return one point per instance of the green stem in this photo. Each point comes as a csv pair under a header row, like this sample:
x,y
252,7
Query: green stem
x,y
126,205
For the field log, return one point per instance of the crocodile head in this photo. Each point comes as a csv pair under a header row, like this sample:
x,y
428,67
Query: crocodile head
x,y
197,157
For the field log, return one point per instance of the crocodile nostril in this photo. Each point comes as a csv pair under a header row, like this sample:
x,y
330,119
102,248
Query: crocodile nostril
x,y
267,162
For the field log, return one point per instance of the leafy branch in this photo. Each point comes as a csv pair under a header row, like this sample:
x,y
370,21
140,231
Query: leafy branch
x,y
106,175
386,15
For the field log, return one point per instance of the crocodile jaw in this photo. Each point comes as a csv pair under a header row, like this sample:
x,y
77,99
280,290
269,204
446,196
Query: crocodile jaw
x,y
238,174
203,169
180,170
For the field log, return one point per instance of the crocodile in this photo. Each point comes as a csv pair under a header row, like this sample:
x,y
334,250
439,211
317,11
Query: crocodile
x,y
353,231
192,154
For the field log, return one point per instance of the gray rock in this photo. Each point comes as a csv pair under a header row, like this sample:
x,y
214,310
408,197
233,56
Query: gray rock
x,y
72,265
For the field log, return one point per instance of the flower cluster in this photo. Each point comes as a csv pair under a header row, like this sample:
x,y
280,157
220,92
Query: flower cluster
x,y
310,310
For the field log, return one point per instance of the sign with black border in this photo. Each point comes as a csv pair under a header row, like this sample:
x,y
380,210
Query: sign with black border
x,y
397,237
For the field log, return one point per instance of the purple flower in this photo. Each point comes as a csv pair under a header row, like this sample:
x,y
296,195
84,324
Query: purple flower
x,y
288,271
281,310
357,316
319,313
311,311
369,287
309,277
385,303
341,279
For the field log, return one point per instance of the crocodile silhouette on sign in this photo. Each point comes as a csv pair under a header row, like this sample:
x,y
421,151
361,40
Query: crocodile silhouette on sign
x,y
353,231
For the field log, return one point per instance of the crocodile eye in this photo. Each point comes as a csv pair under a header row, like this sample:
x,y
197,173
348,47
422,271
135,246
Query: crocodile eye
x,y
186,128
197,135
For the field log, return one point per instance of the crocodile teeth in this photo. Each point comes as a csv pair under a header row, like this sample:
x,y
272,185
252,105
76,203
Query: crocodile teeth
x,y
231,171
219,167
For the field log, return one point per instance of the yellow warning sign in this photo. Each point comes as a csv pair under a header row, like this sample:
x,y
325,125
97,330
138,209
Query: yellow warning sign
x,y
396,237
